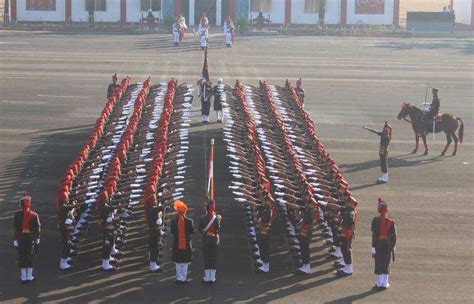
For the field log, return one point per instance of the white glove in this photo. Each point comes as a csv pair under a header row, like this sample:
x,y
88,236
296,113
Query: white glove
x,y
37,241
373,250
159,222
15,243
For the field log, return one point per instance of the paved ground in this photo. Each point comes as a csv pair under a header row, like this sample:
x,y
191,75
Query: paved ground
x,y
52,89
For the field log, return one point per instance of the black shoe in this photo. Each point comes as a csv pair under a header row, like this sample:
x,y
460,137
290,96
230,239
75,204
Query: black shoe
x,y
341,273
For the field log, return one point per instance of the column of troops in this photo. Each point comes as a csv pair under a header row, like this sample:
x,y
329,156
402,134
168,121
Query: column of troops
x,y
137,159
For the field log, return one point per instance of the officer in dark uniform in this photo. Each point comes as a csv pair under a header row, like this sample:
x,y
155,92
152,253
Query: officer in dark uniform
x,y
385,138
384,238
155,229
218,93
206,94
299,90
27,237
112,86
209,226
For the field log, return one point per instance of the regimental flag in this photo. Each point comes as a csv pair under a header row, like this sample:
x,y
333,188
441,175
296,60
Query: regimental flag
x,y
210,173
205,67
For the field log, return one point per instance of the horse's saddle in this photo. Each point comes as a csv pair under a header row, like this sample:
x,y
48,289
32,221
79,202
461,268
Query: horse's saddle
x,y
438,118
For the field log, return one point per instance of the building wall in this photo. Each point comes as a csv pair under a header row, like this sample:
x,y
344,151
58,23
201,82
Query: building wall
x,y
463,11
242,9
112,14
53,16
386,18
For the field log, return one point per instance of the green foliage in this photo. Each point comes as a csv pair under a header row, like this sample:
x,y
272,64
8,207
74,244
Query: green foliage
x,y
243,24
169,20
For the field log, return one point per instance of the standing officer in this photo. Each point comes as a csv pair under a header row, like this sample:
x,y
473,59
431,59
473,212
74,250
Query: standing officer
x,y
27,237
155,226
300,91
384,238
205,93
218,93
182,253
209,225
385,138
112,86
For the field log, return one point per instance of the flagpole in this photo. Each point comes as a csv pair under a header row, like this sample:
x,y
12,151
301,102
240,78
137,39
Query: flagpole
x,y
210,183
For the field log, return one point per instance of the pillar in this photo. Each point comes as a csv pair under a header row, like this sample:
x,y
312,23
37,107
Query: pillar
x,y
472,13
396,12
231,11
68,13
343,12
123,11
13,10
218,12
287,12
191,12
177,7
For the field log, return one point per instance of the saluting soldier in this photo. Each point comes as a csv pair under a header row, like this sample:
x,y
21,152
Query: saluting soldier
x,y
263,220
385,138
347,217
26,237
209,225
182,228
384,238
155,228
305,232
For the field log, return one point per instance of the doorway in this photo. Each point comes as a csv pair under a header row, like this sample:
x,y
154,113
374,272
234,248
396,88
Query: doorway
x,y
205,6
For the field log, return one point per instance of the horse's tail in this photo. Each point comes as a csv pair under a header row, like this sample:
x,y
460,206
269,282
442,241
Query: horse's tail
x,y
461,130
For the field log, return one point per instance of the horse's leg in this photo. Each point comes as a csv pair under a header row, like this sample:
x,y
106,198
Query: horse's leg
x,y
455,143
423,137
448,142
417,139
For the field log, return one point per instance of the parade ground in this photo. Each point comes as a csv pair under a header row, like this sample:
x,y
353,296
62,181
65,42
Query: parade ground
x,y
53,87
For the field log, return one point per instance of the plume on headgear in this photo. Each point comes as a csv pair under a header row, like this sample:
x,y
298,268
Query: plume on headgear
x,y
180,207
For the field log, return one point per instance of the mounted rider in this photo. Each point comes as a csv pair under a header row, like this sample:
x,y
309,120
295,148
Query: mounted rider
x,y
430,111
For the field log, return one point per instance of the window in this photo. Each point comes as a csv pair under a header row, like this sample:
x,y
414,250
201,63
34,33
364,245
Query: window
x,y
261,6
312,6
155,5
40,5
96,5
370,7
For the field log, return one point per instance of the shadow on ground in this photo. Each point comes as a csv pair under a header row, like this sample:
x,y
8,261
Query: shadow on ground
x,y
39,168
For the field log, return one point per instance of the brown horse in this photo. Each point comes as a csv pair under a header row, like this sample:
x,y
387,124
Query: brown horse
x,y
448,124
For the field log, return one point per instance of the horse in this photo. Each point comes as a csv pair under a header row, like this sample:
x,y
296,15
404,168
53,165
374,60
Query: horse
x,y
448,124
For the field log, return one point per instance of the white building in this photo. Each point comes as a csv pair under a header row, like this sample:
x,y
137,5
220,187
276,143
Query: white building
x,y
332,12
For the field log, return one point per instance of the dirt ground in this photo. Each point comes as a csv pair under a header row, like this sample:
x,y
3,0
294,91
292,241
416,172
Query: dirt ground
x,y
52,87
